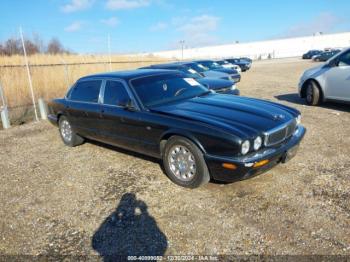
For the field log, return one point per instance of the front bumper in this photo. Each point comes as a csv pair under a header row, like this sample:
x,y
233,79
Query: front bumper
x,y
236,78
235,92
245,164
53,119
300,85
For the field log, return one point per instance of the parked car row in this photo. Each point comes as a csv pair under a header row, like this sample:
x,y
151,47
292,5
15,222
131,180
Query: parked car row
x,y
168,112
220,83
320,56
220,76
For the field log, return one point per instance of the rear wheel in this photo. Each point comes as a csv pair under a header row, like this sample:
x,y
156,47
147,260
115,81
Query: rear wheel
x,y
184,163
313,95
69,137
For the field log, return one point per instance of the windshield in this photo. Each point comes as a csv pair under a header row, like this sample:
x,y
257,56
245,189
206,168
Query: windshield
x,y
198,68
210,65
161,89
190,72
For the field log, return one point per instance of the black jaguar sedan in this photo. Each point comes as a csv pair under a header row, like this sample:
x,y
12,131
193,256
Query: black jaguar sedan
x,y
198,134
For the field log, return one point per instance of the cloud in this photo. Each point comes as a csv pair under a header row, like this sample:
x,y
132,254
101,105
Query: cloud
x,y
112,21
324,22
198,30
126,4
73,27
160,26
77,5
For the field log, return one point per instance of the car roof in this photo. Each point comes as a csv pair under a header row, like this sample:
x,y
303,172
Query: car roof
x,y
129,74
169,65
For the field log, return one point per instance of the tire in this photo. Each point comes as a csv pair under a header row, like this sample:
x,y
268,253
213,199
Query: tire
x,y
68,136
312,94
184,163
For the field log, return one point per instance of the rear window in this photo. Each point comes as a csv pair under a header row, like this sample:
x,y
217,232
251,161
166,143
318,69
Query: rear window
x,y
86,91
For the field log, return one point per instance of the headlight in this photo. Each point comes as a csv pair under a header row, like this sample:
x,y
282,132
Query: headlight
x,y
257,143
245,147
233,87
298,119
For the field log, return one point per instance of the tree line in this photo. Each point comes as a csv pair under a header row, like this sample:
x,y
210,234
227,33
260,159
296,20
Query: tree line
x,y
34,45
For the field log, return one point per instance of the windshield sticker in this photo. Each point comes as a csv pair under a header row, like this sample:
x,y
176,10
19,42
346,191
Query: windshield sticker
x,y
191,81
192,71
201,66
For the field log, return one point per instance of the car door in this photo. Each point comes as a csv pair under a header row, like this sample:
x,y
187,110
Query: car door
x,y
83,108
121,126
337,79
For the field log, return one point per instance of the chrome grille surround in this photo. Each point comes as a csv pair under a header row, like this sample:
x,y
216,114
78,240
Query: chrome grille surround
x,y
280,133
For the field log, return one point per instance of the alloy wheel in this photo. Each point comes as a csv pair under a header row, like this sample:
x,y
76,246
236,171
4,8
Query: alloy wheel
x,y
182,162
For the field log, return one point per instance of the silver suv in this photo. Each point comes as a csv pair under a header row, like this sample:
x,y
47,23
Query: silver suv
x,y
330,81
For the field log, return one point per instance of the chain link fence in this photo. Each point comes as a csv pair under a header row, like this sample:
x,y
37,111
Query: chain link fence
x,y
50,81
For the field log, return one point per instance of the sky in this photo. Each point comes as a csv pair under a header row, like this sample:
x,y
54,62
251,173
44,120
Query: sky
x,y
83,26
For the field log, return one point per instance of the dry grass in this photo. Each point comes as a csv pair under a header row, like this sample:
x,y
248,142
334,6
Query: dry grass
x,y
52,81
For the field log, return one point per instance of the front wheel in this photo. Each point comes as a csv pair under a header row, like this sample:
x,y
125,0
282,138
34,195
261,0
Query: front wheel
x,y
184,163
69,137
312,94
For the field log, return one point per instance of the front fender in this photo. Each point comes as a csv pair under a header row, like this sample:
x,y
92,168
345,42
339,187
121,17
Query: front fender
x,y
216,144
178,132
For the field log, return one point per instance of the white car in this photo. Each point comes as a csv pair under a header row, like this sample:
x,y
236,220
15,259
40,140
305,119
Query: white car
x,y
229,65
329,81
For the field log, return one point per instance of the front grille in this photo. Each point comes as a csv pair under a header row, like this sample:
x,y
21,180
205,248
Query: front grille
x,y
279,134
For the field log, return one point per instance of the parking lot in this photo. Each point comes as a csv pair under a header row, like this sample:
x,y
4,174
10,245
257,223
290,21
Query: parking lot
x,y
96,199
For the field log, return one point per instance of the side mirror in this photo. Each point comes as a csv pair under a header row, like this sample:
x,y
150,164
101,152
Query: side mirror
x,y
128,105
333,63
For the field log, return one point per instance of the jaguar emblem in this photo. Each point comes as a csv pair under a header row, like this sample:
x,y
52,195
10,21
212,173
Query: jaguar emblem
x,y
278,117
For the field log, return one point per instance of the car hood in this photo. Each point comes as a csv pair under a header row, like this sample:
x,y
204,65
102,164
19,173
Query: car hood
x,y
215,83
313,72
240,116
227,71
215,74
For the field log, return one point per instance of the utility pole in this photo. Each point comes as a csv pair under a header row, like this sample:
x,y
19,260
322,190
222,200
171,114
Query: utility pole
x,y
182,42
29,76
109,52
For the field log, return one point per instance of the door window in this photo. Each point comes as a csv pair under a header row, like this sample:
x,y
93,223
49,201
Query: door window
x,y
344,59
86,91
115,94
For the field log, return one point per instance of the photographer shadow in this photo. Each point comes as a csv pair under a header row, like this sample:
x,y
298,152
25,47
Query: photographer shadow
x,y
129,231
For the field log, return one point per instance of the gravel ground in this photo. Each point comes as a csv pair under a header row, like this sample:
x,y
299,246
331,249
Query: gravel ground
x,y
99,200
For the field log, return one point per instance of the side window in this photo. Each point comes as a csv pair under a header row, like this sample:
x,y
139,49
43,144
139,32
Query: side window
x,y
86,91
115,93
344,59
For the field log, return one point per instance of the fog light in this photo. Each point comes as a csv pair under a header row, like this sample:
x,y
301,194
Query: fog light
x,y
229,166
261,163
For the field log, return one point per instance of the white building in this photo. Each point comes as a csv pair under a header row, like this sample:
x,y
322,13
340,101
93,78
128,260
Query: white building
x,y
279,48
